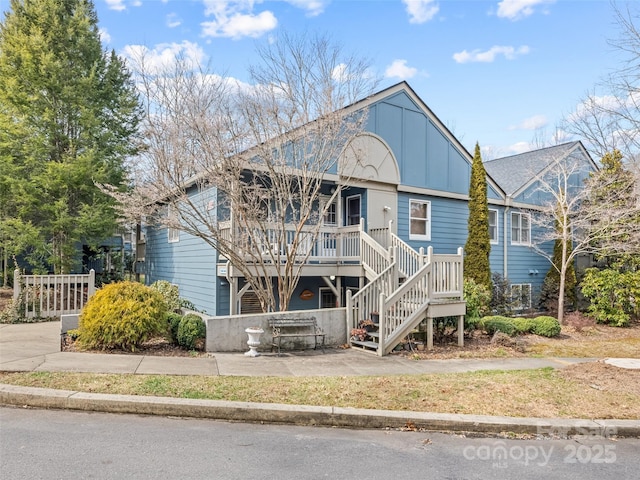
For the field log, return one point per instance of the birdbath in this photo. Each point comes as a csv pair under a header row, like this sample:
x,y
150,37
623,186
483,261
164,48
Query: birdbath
x,y
254,341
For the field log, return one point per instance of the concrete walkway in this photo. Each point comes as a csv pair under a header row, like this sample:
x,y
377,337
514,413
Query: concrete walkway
x,y
36,347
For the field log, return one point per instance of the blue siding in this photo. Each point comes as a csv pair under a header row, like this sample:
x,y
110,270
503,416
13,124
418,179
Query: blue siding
x,y
496,256
426,157
189,263
524,262
493,193
448,223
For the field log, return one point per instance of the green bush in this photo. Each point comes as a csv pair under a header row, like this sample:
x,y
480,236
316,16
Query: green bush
x,y
173,320
523,325
191,329
122,315
497,323
614,295
478,298
170,293
546,326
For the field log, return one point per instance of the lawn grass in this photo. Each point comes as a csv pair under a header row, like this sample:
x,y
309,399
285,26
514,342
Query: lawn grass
x,y
528,393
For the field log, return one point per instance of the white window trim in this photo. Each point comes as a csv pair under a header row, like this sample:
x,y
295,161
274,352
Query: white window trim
x,y
173,234
521,307
497,226
324,203
414,236
521,215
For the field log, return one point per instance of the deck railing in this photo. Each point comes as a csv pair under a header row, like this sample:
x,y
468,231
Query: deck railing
x,y
45,296
272,242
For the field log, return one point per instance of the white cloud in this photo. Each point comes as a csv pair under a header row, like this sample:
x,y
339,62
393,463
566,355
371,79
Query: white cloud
x,y
510,53
517,9
235,19
104,35
313,7
116,5
173,20
163,56
421,11
532,123
399,69
519,147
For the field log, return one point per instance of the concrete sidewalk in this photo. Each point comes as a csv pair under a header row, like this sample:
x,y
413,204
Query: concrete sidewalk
x,y
36,347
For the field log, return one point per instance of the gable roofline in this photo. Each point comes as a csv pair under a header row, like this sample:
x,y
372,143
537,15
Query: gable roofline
x,y
540,160
403,86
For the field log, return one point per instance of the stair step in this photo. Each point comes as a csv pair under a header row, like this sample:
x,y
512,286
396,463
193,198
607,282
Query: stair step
x,y
365,344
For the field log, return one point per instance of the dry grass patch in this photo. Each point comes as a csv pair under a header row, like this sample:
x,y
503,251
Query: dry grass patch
x,y
546,392
582,337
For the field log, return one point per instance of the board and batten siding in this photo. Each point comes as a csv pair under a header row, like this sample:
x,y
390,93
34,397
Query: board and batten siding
x,y
427,158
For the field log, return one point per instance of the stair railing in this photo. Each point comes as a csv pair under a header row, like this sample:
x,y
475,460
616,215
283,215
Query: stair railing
x,y
361,304
404,308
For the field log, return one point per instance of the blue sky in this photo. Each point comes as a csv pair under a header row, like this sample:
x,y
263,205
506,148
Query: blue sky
x,y
492,71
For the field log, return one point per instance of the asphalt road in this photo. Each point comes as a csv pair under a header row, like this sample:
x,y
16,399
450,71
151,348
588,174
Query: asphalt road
x,y
45,444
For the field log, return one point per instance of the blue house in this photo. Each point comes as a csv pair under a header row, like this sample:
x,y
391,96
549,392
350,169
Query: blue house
x,y
391,242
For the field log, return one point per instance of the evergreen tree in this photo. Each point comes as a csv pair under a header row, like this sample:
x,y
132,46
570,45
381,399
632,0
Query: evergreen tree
x,y
478,245
69,114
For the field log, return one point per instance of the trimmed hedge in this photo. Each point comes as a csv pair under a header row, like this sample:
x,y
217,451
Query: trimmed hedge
x,y
173,321
544,326
190,330
497,323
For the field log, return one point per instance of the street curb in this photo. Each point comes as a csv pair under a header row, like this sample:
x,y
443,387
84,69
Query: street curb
x,y
273,413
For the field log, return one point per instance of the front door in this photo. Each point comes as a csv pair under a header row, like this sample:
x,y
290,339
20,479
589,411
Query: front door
x,y
353,210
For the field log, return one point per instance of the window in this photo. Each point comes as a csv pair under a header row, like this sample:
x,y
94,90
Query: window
x,y
173,234
327,298
520,229
330,215
521,296
493,226
419,220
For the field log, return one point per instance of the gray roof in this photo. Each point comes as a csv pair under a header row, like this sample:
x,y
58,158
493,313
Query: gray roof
x,y
514,172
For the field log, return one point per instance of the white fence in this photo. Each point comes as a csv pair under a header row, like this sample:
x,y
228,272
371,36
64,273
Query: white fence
x,y
43,296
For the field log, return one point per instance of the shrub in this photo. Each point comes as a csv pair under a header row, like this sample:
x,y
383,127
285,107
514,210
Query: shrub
x,y
478,298
170,293
173,321
523,325
546,326
614,295
122,315
496,323
191,329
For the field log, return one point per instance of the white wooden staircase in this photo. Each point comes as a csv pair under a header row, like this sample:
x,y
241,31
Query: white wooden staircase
x,y
405,288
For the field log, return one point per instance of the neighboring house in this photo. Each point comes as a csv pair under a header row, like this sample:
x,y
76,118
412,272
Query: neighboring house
x,y
514,233
410,193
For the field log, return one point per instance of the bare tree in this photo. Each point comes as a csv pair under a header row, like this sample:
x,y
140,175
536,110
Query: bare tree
x,y
242,167
611,120
590,217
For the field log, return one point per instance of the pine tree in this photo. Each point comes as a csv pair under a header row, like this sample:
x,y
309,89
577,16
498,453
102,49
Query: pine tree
x,y
478,245
72,113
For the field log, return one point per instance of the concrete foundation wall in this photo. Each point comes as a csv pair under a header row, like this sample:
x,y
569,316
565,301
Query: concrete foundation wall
x,y
226,334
